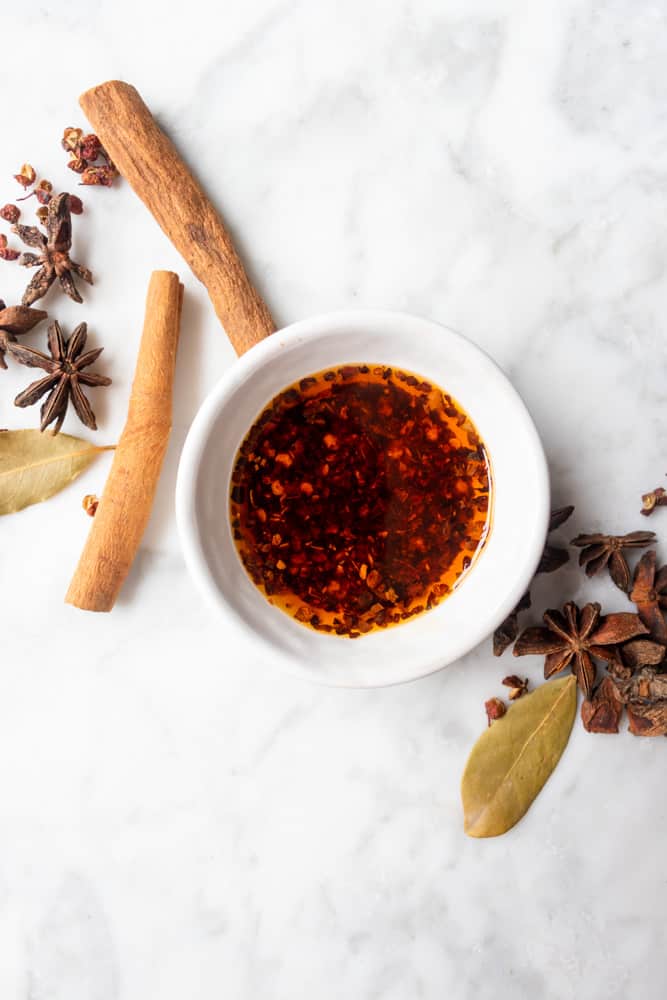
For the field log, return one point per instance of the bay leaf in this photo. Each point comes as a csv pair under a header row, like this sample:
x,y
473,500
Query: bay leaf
x,y
512,759
34,466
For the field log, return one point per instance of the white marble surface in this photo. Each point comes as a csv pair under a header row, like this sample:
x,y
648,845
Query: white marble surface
x,y
177,820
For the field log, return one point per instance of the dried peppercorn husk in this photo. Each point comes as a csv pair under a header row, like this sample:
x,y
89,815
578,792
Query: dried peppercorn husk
x,y
6,252
102,176
495,709
26,175
602,712
518,686
10,213
42,192
90,503
84,152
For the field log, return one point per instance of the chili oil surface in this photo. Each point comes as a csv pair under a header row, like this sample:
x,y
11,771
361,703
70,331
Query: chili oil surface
x,y
360,498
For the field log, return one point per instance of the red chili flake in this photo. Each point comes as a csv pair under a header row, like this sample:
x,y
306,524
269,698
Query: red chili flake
x,y
345,504
11,213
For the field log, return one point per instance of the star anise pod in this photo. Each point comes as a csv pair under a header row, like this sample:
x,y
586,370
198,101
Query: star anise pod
x,y
649,593
599,551
64,378
574,637
53,259
14,321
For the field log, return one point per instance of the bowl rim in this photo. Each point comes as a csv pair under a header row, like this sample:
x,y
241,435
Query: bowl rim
x,y
193,452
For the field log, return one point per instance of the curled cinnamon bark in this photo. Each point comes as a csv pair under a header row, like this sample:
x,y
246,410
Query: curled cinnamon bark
x,y
151,164
126,504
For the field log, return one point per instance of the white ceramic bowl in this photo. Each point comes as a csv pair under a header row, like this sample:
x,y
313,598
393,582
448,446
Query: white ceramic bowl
x,y
495,582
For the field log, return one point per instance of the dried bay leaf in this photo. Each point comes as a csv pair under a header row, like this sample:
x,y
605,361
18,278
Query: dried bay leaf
x,y
511,761
35,466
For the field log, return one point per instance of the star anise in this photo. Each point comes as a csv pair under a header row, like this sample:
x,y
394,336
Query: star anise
x,y
65,376
15,320
649,593
574,637
599,551
53,259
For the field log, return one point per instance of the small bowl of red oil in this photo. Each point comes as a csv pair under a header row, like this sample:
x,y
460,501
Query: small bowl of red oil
x,y
364,495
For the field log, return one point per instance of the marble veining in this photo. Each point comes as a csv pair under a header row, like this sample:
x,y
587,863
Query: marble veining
x,y
176,819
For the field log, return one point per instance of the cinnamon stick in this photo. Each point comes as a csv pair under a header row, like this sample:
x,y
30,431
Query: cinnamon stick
x,y
151,164
125,506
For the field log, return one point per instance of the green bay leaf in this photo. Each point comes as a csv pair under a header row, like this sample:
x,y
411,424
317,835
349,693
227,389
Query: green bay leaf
x,y
34,466
512,759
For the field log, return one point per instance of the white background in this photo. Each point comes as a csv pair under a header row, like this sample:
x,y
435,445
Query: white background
x,y
176,819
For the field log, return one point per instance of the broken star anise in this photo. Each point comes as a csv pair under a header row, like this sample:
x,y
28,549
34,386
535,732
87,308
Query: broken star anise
x,y
508,630
53,259
575,636
15,320
64,378
649,593
645,697
553,557
598,551
650,501
601,713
